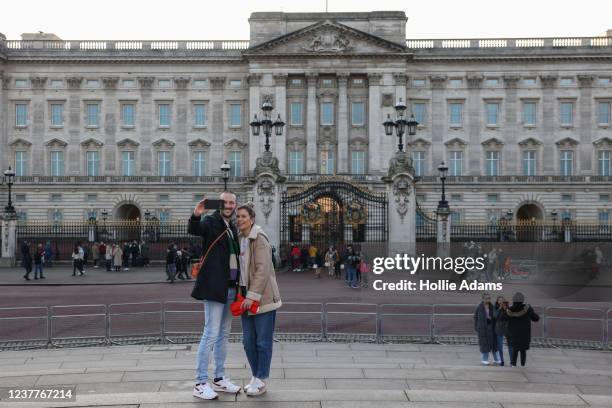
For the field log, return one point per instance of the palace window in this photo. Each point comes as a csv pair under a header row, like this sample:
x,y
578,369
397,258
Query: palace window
x,y
455,167
199,164
418,162
93,163
357,114
93,112
419,109
603,113
529,163
327,113
57,115
296,162
164,115
328,162
235,119
492,163
199,115
492,110
603,162
235,161
567,113
21,163
529,113
164,164
128,161
567,162
21,115
455,114
127,115
57,163
296,114
358,163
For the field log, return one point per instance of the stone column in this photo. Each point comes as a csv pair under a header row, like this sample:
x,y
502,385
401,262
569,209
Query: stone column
x,y
254,108
439,124
402,205
181,153
9,244
218,126
375,120
548,123
343,121
147,122
38,126
473,112
75,127
5,155
443,232
311,125
267,185
110,126
585,118
511,163
280,108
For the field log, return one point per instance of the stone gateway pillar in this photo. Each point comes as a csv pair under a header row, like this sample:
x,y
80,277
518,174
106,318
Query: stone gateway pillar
x,y
9,244
267,185
402,205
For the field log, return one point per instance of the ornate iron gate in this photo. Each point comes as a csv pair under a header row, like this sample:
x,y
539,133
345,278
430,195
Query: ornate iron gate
x,y
333,212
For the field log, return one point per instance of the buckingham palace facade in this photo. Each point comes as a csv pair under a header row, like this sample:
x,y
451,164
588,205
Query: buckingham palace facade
x,y
524,125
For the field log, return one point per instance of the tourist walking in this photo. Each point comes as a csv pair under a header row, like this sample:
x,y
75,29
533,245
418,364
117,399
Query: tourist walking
x,y
331,257
77,259
117,257
501,328
262,298
26,259
39,254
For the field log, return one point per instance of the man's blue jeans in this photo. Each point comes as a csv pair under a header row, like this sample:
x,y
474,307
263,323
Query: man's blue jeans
x,y
257,338
351,275
217,325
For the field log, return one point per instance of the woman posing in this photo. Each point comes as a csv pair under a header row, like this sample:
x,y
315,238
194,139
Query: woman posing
x,y
258,285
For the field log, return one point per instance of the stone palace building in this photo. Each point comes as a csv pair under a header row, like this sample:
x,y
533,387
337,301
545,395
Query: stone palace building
x,y
524,125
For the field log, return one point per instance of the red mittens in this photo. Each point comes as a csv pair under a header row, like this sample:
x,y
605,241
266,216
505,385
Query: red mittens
x,y
236,307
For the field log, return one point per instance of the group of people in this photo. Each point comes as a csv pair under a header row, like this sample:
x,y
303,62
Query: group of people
x,y
352,262
113,256
38,257
236,277
495,322
178,261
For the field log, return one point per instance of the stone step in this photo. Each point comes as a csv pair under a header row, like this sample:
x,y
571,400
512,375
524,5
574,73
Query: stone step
x,y
338,398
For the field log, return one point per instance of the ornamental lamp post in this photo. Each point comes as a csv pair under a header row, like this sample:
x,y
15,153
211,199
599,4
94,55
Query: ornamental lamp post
x,y
267,124
225,169
401,125
443,172
9,179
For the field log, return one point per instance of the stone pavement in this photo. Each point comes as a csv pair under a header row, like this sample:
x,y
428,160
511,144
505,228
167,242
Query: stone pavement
x,y
323,375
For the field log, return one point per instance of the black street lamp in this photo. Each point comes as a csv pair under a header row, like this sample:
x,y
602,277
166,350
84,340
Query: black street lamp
x,y
400,124
9,179
443,170
147,215
225,169
510,215
267,124
104,215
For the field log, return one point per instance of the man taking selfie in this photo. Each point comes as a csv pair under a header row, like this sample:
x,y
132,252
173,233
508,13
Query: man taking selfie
x,y
216,286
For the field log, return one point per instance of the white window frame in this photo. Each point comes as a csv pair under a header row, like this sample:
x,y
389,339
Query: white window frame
x,y
293,119
92,119
363,114
455,163
200,120
231,114
163,115
296,162
53,114
164,163
235,170
57,167
358,162
199,161
603,162
563,120
526,115
492,162
21,163
95,170
21,115
529,164
324,121
124,117
418,162
130,169
566,157
451,123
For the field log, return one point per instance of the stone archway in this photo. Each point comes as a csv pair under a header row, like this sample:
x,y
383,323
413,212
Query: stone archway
x,y
127,212
529,218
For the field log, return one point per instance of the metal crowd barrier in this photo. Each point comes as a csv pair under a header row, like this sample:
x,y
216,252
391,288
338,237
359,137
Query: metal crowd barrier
x,y
183,322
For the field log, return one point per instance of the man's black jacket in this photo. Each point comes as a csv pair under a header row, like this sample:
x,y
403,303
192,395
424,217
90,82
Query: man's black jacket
x,y
213,280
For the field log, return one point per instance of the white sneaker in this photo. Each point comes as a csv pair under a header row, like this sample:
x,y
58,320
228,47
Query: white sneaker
x,y
484,362
225,385
250,384
257,387
205,392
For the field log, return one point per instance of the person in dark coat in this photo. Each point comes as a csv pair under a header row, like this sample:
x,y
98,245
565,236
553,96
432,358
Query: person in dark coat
x,y
501,328
519,317
484,326
39,253
216,285
26,259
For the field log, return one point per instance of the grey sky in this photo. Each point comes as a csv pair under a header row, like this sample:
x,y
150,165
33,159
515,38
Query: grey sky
x,y
189,19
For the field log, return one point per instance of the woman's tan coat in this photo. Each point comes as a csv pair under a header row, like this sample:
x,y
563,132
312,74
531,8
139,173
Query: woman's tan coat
x,y
260,276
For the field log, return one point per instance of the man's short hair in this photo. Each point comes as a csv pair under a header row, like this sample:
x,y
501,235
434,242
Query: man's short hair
x,y
228,192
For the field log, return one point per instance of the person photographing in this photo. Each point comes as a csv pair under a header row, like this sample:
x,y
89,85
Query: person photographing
x,y
216,286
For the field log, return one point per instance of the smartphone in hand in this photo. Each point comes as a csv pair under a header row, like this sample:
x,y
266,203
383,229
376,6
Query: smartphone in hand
x,y
213,204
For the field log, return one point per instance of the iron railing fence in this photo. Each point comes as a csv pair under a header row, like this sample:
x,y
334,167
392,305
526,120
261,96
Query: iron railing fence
x,y
182,321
